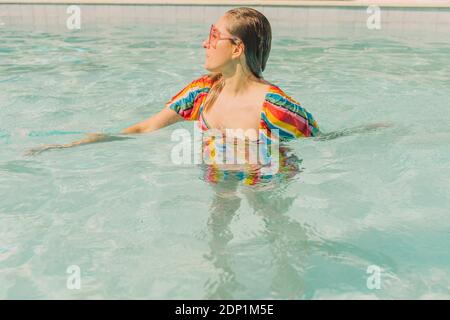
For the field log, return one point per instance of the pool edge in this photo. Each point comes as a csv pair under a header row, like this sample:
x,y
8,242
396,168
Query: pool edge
x,y
274,3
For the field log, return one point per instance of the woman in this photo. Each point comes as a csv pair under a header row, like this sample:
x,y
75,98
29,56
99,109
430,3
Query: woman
x,y
234,95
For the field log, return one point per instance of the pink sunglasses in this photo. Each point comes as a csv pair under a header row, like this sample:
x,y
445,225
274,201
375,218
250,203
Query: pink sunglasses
x,y
214,37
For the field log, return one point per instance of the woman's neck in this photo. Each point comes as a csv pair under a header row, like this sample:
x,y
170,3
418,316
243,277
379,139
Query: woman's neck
x,y
237,82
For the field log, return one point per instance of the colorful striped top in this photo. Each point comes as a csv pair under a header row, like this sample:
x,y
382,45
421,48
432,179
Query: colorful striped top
x,y
279,111
280,115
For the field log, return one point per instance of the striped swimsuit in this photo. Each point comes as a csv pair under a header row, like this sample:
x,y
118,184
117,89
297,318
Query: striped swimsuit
x,y
281,117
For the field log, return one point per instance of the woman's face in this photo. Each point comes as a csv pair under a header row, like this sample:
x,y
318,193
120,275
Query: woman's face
x,y
221,53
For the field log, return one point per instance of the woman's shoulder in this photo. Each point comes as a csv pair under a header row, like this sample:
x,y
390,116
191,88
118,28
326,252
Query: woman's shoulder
x,y
281,107
279,97
204,81
191,90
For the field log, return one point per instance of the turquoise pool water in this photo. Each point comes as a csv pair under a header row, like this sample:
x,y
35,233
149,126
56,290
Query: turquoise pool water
x,y
139,226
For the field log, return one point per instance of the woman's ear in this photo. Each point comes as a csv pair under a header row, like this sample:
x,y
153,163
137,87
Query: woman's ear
x,y
238,50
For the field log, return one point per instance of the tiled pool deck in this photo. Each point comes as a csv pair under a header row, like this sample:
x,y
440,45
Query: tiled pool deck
x,y
313,18
320,3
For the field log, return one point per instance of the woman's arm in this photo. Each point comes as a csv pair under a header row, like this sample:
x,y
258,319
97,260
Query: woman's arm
x,y
162,119
354,130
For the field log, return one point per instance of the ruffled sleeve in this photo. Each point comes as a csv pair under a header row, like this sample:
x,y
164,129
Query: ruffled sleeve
x,y
285,114
188,100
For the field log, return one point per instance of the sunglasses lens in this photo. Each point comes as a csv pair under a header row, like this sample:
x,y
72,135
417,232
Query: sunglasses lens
x,y
214,36
214,40
209,37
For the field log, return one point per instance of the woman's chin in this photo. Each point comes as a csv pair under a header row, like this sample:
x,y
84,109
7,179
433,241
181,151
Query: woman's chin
x,y
207,67
211,69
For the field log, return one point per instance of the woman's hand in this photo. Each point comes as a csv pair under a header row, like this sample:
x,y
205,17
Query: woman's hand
x,y
38,150
91,138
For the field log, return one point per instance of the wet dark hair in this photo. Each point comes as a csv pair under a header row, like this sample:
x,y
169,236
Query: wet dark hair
x,y
253,28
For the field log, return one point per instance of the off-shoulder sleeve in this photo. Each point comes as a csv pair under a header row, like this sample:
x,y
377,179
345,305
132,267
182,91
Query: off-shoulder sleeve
x,y
189,99
284,113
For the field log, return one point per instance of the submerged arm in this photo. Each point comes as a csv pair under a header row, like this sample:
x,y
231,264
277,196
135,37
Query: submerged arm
x,y
353,130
